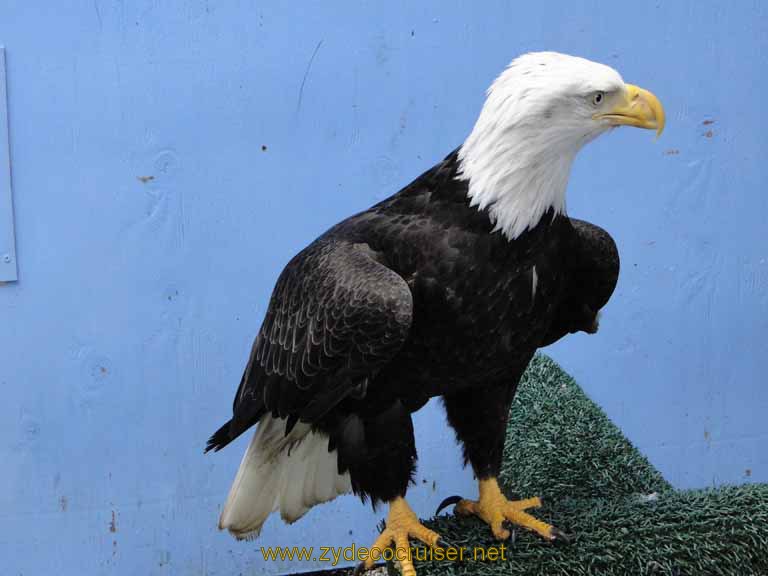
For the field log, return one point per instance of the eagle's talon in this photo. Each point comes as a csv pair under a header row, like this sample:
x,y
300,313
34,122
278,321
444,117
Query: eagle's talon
x,y
451,500
560,536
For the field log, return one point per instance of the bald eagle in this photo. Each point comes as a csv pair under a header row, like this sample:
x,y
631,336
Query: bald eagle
x,y
447,288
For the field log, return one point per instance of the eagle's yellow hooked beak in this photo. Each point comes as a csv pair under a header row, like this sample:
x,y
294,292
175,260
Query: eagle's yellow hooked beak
x,y
638,108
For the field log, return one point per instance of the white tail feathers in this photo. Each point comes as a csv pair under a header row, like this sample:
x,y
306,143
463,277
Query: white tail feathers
x,y
287,473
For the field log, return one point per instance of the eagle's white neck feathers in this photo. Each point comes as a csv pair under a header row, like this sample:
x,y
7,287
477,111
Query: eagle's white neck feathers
x,y
536,117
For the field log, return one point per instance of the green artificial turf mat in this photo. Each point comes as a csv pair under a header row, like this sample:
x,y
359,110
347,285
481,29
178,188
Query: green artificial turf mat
x,y
624,517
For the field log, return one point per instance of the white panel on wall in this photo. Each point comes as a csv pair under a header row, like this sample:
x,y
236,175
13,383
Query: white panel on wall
x,y
7,243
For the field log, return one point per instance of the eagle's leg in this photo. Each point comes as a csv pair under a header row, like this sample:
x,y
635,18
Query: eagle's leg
x,y
383,475
479,417
401,524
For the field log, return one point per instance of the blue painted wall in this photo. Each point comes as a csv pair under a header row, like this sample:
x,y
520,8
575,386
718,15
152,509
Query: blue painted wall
x,y
169,158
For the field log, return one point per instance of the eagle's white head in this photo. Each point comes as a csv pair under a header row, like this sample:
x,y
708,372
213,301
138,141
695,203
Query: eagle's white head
x,y
537,115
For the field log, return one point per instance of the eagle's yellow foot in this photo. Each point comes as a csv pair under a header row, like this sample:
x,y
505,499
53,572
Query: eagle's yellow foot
x,y
401,524
494,509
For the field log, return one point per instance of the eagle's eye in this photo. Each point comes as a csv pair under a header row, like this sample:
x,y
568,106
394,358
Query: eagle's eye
x,y
597,98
